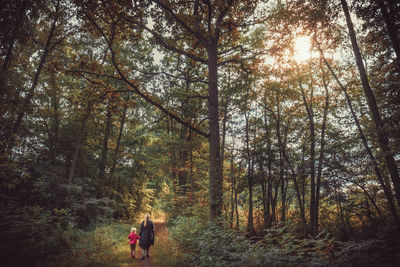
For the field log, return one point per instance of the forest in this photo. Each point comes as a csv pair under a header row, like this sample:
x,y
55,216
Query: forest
x,y
253,132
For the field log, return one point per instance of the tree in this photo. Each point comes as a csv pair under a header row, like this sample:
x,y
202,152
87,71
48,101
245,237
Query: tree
x,y
207,28
207,25
56,32
372,104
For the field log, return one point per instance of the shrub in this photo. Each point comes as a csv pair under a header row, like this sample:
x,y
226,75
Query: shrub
x,y
29,235
213,245
95,247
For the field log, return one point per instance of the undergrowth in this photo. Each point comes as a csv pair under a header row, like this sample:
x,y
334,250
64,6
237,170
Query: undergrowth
x,y
213,245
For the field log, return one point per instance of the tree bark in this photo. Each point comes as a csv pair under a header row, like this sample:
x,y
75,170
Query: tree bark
x,y
250,227
373,107
116,152
215,169
267,214
368,197
225,121
275,200
104,150
340,208
236,207
236,199
53,136
191,162
282,178
296,186
232,193
310,115
78,145
281,166
321,152
300,200
264,195
183,155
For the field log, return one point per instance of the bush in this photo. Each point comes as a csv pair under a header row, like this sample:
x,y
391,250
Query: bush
x,y
96,247
212,245
29,235
384,250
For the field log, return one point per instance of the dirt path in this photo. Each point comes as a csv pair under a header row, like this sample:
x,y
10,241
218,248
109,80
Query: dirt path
x,y
158,252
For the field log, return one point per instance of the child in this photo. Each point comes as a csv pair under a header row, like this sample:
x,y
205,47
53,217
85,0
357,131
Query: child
x,y
133,237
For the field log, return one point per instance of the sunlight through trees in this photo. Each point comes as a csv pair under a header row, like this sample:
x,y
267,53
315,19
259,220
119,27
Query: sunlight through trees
x,y
261,131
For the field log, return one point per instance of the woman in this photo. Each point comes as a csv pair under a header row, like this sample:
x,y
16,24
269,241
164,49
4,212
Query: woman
x,y
146,236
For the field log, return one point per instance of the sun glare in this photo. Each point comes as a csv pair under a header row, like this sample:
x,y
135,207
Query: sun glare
x,y
302,47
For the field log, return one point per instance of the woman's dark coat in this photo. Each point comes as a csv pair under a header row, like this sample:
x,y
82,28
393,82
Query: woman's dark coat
x,y
146,235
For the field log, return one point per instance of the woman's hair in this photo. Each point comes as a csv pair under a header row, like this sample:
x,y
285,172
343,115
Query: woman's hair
x,y
147,218
133,229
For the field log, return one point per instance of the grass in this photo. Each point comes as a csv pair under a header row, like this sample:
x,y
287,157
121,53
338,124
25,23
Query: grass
x,y
109,246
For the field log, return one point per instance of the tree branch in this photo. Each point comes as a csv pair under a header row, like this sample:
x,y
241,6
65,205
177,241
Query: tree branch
x,y
145,96
198,35
160,40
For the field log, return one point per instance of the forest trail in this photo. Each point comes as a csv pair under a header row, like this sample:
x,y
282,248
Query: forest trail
x,y
157,252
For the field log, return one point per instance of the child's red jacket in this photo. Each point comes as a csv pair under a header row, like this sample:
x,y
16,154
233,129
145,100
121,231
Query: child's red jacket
x,y
133,238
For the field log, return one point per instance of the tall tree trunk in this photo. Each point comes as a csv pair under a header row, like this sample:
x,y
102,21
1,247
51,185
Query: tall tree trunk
x,y
275,200
172,153
281,166
373,107
232,190
53,137
183,159
303,174
264,191
269,195
284,182
250,223
104,150
191,163
269,181
225,120
116,152
78,145
321,152
185,137
368,197
310,115
250,226
300,200
215,164
283,197
264,195
236,207
340,211
266,182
